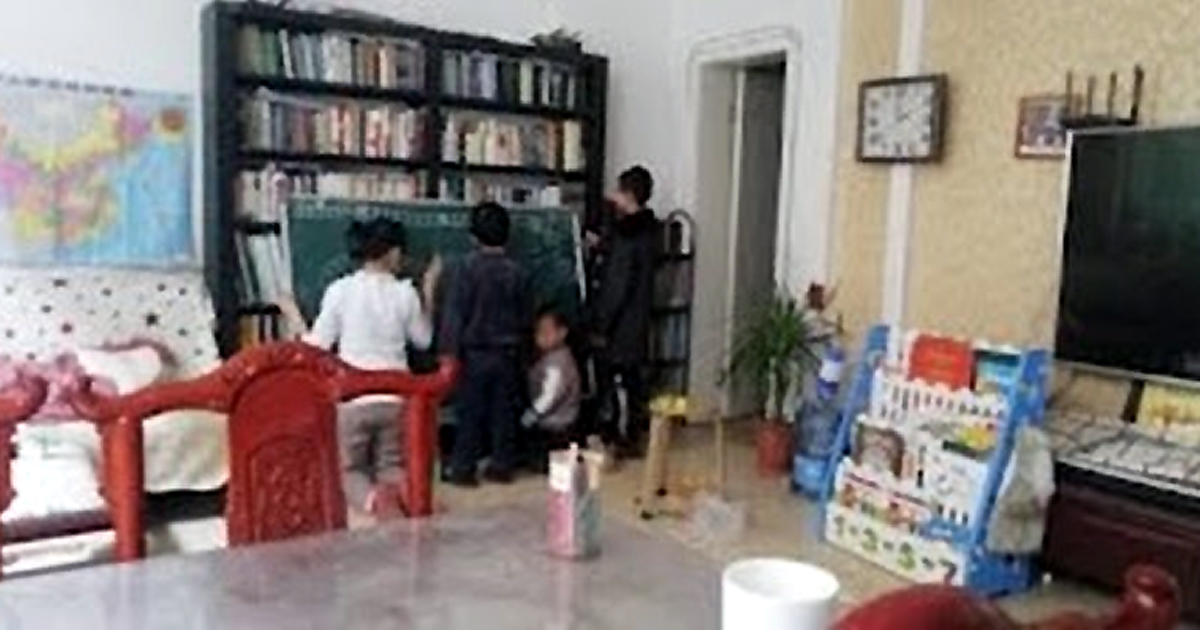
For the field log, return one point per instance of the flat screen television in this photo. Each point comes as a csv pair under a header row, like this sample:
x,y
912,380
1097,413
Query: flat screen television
x,y
1129,300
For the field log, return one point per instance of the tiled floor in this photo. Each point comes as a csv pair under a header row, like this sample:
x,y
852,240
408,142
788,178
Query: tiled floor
x,y
778,524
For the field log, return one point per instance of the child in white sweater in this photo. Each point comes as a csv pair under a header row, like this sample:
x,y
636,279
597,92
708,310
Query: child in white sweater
x,y
371,317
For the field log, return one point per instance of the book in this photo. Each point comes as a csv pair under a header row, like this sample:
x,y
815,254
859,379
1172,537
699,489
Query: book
x,y
526,83
941,360
995,371
286,54
249,49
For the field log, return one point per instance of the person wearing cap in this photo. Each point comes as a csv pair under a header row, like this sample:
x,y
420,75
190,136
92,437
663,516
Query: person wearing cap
x,y
488,319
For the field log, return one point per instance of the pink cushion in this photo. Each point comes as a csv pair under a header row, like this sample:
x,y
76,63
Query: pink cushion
x,y
63,375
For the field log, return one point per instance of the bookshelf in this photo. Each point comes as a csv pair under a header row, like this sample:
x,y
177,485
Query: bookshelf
x,y
347,105
671,313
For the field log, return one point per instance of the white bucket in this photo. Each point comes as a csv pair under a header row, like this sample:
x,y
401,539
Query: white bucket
x,y
777,594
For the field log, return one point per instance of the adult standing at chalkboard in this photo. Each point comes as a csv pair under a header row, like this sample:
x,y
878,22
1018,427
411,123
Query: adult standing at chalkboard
x,y
621,313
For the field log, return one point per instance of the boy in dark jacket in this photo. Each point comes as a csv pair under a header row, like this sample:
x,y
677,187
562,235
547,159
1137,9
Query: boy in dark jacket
x,y
621,311
488,316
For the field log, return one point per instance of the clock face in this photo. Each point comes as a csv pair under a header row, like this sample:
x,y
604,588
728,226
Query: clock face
x,y
900,120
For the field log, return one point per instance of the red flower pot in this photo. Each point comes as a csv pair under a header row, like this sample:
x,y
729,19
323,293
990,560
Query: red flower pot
x,y
774,449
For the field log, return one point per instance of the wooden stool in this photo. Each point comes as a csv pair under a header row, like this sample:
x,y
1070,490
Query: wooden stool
x,y
664,414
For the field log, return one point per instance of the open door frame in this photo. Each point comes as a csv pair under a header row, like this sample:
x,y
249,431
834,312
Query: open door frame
x,y
710,186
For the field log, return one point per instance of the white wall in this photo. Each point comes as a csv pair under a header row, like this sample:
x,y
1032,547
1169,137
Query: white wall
x,y
649,43
154,44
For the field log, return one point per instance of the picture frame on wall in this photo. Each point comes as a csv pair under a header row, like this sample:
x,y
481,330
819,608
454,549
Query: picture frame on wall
x,y
902,119
1040,134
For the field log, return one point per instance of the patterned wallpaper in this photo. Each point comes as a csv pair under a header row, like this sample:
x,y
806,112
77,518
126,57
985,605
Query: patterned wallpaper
x,y
870,38
984,247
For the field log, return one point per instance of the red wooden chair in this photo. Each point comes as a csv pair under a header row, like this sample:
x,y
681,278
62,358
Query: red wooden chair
x,y
17,403
284,474
1151,602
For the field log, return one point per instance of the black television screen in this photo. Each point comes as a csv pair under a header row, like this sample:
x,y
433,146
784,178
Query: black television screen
x,y
1130,293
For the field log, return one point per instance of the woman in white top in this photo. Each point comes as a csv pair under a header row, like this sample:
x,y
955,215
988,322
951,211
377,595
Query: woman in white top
x,y
371,317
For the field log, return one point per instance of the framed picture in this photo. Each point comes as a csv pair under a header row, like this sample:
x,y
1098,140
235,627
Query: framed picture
x,y
1040,134
902,119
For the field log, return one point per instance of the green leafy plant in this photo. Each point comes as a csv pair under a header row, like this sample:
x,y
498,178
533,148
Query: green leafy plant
x,y
774,350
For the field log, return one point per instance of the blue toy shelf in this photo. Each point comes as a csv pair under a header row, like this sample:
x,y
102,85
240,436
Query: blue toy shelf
x,y
917,467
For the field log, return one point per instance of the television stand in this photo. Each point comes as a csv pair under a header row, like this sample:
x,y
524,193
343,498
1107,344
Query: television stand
x,y
1113,510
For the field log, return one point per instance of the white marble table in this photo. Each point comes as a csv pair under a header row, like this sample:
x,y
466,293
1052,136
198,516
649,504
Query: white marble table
x,y
484,570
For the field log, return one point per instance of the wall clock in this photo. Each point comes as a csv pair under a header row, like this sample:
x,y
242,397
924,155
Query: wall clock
x,y
902,119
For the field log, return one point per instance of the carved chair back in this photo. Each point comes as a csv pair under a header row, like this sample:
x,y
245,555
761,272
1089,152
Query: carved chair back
x,y
284,477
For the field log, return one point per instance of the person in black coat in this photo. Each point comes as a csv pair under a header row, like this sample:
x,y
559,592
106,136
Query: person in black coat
x,y
621,313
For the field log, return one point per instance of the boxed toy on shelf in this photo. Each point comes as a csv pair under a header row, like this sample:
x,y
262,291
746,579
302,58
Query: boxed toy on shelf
x,y
922,457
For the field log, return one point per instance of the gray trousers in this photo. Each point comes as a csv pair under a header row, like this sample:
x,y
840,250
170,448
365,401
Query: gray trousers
x,y
369,438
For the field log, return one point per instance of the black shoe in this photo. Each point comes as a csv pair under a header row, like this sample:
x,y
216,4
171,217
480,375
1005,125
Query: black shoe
x,y
463,480
498,475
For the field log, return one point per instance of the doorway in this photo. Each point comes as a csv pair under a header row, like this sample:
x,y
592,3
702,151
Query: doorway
x,y
741,152
758,141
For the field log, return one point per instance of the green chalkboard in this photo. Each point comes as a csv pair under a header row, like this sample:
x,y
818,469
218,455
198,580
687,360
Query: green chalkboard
x,y
544,240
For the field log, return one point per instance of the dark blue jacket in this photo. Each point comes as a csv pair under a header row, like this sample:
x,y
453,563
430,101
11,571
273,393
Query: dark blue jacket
x,y
489,306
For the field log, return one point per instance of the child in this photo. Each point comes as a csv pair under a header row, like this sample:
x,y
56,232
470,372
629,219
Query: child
x,y
621,326
554,388
371,317
487,317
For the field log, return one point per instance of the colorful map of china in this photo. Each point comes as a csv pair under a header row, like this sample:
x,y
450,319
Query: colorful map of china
x,y
93,178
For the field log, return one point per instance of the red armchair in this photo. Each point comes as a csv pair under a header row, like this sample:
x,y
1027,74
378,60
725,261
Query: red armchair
x,y
1151,602
284,478
17,404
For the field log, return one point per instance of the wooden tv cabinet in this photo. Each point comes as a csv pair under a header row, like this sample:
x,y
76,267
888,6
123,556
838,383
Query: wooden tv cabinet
x,y
1100,524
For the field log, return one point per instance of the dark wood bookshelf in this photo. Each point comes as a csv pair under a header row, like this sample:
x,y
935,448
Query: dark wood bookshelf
x,y
226,83
671,314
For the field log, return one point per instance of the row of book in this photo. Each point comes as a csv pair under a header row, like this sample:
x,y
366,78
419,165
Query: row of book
x,y
331,57
514,81
332,127
474,138
266,268
469,189
263,195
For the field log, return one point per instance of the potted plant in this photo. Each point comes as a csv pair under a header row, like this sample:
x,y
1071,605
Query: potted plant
x,y
772,353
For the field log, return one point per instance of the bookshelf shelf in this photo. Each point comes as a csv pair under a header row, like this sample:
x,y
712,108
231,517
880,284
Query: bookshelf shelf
x,y
258,158
307,87
521,171
314,82
671,315
258,227
502,107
